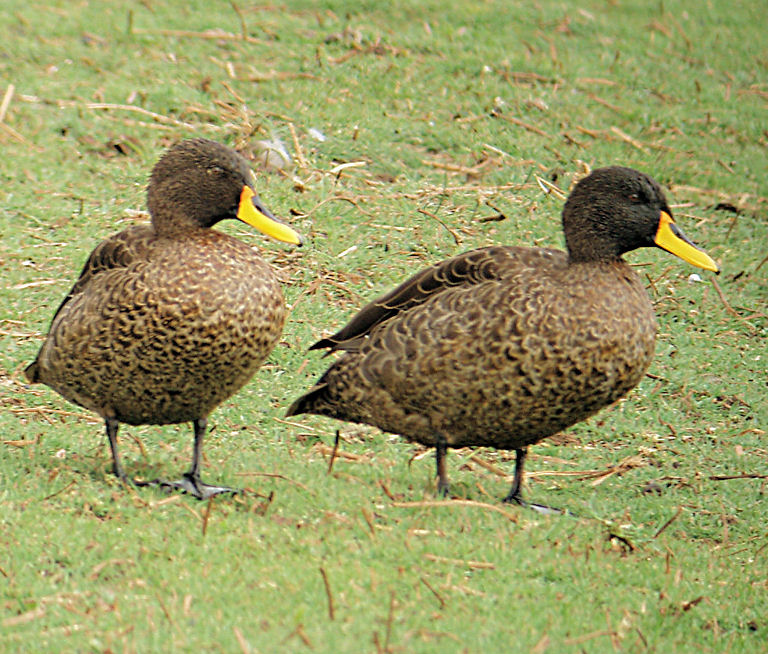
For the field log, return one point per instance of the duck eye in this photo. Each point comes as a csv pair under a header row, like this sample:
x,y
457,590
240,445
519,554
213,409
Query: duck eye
x,y
635,197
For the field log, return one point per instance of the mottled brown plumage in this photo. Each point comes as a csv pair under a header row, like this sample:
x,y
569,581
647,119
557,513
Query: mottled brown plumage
x,y
504,346
170,319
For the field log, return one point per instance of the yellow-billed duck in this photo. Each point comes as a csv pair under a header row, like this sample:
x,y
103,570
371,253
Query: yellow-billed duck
x,y
169,319
505,346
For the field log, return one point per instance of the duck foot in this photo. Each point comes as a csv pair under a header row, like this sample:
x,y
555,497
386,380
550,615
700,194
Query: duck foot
x,y
443,490
539,508
191,485
515,495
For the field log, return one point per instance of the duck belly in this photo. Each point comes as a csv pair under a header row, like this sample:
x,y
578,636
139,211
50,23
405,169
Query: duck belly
x,y
154,345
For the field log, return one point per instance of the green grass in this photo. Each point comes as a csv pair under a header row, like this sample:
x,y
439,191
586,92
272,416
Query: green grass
x,y
663,555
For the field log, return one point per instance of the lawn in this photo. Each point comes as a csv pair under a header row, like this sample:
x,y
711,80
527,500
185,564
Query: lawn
x,y
415,131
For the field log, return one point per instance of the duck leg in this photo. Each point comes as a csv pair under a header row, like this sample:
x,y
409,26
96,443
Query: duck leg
x,y
111,425
190,481
515,495
441,450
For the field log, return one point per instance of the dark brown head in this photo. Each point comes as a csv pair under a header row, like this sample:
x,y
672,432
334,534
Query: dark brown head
x,y
614,210
197,183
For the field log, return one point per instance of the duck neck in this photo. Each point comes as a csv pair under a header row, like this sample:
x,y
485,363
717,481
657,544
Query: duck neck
x,y
590,248
174,226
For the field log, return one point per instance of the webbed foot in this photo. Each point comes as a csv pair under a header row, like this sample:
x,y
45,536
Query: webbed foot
x,y
515,498
191,485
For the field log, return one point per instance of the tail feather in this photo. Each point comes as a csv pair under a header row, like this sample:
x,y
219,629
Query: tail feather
x,y
308,403
32,372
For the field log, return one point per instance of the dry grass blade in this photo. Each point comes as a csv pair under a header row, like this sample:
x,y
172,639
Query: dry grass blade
x,y
746,475
301,160
212,34
605,103
474,565
473,171
542,646
207,515
242,643
434,592
24,618
730,309
524,125
328,594
6,102
488,466
106,106
241,18
628,139
279,75
760,265
577,640
346,166
273,475
46,413
628,463
171,499
349,456
59,492
98,569
549,187
661,529
293,423
342,198
456,237
23,443
390,621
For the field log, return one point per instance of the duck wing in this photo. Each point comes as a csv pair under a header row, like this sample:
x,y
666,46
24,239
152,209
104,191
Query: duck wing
x,y
118,251
467,269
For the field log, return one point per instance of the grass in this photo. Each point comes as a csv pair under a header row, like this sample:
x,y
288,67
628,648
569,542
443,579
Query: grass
x,y
453,110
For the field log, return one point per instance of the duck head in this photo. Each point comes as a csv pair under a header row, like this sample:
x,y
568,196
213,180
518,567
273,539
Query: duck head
x,y
615,210
198,182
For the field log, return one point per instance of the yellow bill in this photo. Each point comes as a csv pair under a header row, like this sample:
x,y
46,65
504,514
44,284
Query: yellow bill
x,y
671,238
255,214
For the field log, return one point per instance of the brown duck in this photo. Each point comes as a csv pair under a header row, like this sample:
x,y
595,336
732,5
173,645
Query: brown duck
x,y
504,346
168,320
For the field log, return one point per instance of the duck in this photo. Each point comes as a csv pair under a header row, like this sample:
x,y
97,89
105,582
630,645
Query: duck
x,y
169,319
504,346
